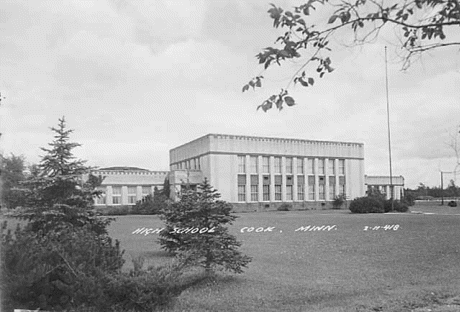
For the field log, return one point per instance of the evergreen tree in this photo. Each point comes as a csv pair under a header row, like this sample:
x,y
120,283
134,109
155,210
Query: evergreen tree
x,y
210,249
12,173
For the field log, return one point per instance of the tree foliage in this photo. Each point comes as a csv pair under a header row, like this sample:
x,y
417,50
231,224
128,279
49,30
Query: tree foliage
x,y
58,259
12,173
420,26
212,249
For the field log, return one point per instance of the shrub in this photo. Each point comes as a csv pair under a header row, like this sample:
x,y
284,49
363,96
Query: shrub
x,y
398,206
408,199
452,204
145,290
58,269
284,207
338,201
366,205
119,211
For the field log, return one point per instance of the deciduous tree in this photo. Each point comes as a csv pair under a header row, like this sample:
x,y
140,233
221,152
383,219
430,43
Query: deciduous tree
x,y
419,26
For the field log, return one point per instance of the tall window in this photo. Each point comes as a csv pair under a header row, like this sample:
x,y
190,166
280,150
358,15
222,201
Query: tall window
x,y
311,188
194,163
331,188
277,164
289,186
311,166
265,164
321,188
241,188
299,165
288,165
300,187
253,163
278,182
116,195
241,164
254,188
331,166
266,188
342,185
341,166
198,160
320,166
132,196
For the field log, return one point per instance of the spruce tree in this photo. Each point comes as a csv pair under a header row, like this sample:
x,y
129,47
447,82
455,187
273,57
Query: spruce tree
x,y
212,249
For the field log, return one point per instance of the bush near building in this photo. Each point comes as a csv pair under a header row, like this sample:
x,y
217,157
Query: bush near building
x,y
366,204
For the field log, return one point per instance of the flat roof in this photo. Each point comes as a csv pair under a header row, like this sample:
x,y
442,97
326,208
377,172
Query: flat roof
x,y
267,138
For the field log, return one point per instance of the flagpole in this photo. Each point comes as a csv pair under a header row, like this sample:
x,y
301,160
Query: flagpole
x,y
389,133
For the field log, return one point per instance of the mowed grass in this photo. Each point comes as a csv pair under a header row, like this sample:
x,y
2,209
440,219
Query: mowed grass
x,y
344,269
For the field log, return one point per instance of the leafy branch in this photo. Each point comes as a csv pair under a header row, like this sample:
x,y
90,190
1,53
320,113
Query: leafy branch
x,y
423,24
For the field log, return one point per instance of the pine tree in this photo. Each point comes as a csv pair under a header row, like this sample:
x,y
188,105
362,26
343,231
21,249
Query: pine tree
x,y
212,249
60,174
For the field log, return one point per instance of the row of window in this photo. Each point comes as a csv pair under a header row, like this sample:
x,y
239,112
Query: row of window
x,y
289,185
254,168
116,198
192,164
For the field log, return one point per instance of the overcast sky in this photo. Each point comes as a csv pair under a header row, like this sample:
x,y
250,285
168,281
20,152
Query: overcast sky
x,y
137,78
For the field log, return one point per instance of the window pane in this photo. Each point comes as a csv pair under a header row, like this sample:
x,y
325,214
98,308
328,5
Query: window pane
x,y
254,193
331,167
266,190
311,166
241,164
300,194
288,165
132,189
277,192
341,166
277,164
299,165
265,164
132,199
241,193
321,166
288,192
322,195
253,162
146,190
116,190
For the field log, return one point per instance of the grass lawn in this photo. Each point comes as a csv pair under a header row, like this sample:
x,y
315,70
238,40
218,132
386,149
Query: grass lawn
x,y
349,268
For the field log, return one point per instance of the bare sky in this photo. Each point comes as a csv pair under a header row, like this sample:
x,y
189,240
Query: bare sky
x,y
137,78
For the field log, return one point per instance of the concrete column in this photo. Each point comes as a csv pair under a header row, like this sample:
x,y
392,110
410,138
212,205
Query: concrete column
x,y
108,198
248,178
337,191
272,178
316,180
294,174
305,177
326,179
283,179
124,195
138,192
260,175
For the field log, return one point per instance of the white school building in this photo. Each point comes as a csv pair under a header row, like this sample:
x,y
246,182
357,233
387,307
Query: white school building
x,y
254,173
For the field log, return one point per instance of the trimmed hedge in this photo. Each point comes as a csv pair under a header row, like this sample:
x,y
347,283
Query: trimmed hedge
x,y
366,205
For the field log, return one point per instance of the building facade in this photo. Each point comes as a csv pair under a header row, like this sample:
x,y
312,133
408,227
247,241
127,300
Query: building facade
x,y
383,184
127,185
254,173
259,173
